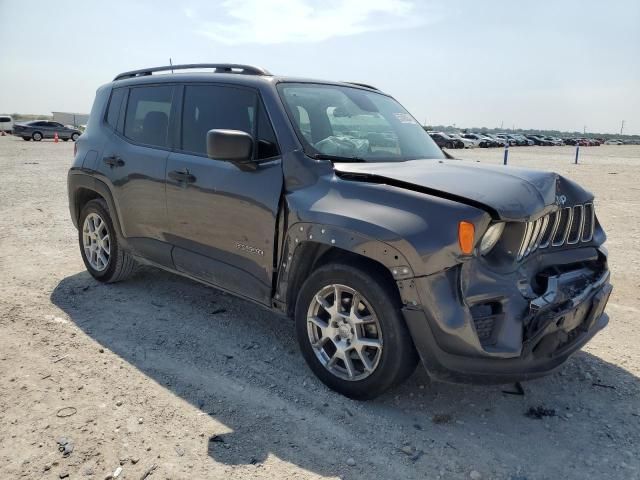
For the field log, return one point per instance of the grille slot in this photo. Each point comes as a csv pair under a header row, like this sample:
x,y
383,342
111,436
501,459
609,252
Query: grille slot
x,y
567,226
589,222
560,236
575,230
554,218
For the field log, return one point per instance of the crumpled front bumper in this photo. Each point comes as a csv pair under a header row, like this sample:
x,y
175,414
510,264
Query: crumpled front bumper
x,y
532,335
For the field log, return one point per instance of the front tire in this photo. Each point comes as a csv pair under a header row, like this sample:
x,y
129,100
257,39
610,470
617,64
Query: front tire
x,y
103,256
37,136
351,331
74,136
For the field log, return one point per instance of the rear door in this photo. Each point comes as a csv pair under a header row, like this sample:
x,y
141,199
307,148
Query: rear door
x,y
222,219
134,161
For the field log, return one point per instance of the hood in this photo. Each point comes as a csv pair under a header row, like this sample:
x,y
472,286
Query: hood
x,y
507,193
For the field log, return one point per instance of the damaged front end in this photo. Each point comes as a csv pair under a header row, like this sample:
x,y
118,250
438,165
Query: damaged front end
x,y
523,309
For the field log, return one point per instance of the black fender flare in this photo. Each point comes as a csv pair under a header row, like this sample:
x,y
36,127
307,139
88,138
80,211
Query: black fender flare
x,y
76,182
327,236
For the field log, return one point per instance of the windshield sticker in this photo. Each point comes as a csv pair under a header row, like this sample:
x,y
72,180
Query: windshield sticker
x,y
404,117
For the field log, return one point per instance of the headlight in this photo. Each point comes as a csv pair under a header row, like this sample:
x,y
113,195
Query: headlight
x,y
490,238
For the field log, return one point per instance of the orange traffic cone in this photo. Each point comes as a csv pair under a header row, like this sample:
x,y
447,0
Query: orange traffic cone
x,y
55,137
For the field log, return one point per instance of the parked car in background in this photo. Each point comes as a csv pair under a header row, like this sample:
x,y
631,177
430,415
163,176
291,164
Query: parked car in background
x,y
6,124
613,141
500,140
445,141
468,142
554,141
539,140
39,129
482,141
522,140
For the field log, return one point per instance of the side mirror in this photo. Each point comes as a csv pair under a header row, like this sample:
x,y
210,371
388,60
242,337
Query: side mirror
x,y
230,145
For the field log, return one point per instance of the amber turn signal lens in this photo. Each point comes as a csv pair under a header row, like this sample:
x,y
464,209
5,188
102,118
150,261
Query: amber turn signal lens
x,y
466,234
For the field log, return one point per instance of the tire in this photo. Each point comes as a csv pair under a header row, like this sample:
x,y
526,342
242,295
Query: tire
x,y
449,145
388,364
119,263
36,136
26,139
65,139
74,136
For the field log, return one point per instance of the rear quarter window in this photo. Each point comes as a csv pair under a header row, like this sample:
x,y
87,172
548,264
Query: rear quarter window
x,y
113,111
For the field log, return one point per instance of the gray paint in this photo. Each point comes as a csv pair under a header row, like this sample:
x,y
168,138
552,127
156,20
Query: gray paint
x,y
247,230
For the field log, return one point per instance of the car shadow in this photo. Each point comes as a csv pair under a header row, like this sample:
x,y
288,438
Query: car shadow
x,y
240,364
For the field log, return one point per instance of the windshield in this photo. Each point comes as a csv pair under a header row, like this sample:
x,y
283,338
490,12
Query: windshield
x,y
353,124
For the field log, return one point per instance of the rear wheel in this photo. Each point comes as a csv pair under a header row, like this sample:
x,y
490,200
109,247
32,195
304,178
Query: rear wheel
x,y
104,258
351,331
26,139
37,136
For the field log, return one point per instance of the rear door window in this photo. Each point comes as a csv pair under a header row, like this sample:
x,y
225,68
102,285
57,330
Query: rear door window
x,y
148,115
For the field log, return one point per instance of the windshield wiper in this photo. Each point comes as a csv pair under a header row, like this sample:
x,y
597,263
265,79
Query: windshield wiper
x,y
337,158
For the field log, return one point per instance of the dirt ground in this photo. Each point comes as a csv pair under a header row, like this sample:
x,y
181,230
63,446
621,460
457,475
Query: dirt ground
x,y
164,377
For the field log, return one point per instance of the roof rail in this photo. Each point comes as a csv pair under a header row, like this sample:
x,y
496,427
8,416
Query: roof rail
x,y
218,68
363,85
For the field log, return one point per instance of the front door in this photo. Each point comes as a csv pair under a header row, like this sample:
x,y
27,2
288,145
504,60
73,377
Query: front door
x,y
222,219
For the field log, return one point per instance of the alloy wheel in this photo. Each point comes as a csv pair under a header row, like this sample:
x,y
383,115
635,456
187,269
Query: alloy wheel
x,y
344,332
96,242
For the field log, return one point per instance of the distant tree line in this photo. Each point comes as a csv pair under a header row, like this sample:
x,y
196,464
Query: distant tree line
x,y
546,133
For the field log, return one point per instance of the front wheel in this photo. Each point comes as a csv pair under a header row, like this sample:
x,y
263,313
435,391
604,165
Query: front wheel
x,y
74,136
37,136
351,331
104,258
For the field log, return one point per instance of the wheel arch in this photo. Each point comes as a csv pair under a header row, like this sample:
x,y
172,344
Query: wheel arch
x,y
310,246
84,188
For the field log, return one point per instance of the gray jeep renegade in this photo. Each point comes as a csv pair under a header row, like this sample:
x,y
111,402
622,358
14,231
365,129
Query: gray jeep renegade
x,y
329,203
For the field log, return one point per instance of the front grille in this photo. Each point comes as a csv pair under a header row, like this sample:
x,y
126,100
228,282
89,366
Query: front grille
x,y
567,226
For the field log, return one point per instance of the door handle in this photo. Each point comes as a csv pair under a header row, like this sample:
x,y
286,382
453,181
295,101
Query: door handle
x,y
113,161
183,175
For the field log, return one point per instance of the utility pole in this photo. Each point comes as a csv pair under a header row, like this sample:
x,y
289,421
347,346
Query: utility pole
x,y
621,127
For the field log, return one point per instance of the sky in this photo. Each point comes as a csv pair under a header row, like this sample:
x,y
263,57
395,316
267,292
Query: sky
x,y
566,65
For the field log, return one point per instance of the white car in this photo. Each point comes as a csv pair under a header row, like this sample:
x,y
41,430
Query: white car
x,y
468,142
613,142
6,123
